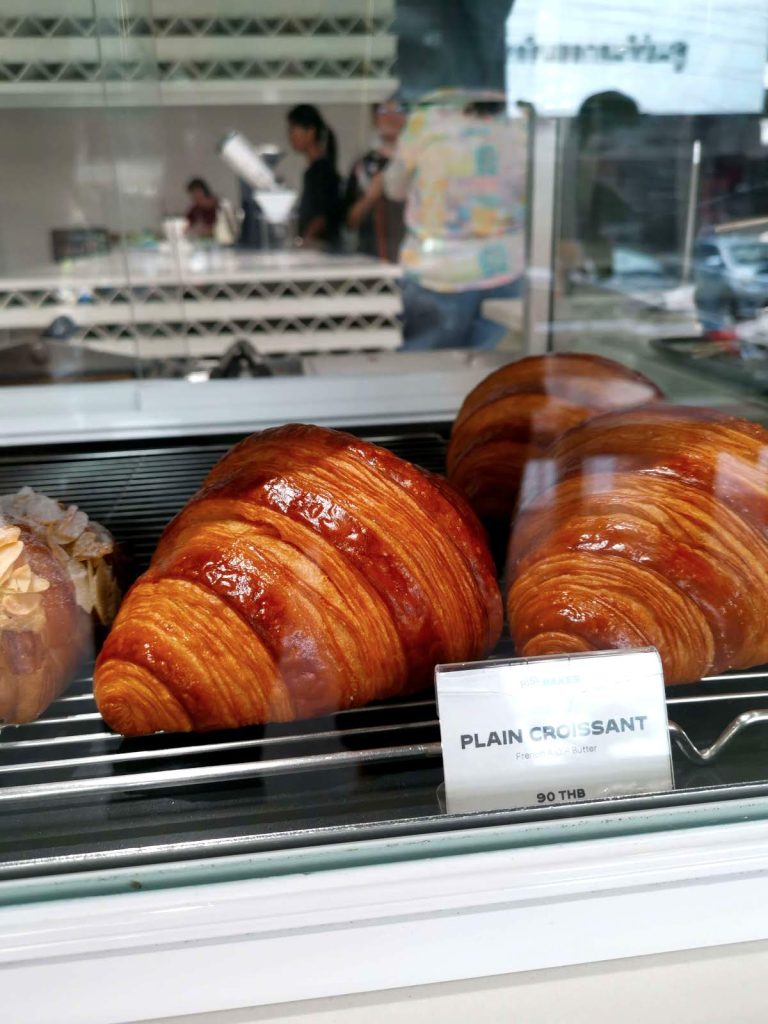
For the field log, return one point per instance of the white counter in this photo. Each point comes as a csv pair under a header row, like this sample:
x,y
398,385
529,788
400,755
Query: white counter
x,y
200,263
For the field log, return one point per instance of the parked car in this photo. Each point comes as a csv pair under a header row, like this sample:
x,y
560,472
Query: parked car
x,y
730,272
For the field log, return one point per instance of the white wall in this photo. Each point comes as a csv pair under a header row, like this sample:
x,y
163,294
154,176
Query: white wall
x,y
57,167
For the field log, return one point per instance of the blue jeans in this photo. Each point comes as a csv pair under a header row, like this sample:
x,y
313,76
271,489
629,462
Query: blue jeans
x,y
451,319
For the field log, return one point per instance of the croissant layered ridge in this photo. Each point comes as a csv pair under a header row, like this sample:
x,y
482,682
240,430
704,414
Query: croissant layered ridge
x,y
653,530
312,572
512,417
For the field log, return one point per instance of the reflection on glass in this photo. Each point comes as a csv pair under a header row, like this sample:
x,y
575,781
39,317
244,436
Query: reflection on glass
x,y
460,167
654,534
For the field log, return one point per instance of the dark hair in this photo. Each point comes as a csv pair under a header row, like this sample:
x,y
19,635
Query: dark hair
x,y
305,115
202,184
485,108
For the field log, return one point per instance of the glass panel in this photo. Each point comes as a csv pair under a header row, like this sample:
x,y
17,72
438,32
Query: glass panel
x,y
78,81
660,223
225,215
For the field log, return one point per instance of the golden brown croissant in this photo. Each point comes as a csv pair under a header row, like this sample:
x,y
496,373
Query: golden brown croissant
x,y
313,571
55,577
654,533
514,415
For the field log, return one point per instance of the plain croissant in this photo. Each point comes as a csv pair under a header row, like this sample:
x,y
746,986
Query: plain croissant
x,y
655,533
312,572
514,415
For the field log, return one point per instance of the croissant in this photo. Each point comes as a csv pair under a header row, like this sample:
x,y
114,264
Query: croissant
x,y
655,532
313,571
514,415
56,577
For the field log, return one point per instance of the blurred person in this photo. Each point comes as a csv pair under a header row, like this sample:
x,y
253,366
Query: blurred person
x,y
203,211
319,213
607,123
461,168
378,220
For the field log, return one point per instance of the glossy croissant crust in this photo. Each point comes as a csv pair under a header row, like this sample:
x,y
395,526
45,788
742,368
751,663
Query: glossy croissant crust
x,y
514,415
654,533
312,572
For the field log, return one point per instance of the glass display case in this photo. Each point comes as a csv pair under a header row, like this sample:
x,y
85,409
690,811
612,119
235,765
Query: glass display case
x,y
489,242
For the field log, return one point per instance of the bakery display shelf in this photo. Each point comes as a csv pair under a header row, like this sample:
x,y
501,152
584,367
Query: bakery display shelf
x,y
747,687
70,751
73,792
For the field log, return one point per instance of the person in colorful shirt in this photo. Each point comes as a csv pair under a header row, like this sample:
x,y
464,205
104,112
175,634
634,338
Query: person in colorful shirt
x,y
461,168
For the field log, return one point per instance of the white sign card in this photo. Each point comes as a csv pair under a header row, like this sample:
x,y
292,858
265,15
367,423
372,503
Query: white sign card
x,y
536,731
669,56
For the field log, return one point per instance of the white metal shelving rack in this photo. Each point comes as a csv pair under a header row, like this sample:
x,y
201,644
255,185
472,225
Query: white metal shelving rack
x,y
89,52
189,302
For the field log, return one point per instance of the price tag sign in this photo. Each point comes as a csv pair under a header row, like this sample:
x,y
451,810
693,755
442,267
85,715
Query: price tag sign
x,y
537,731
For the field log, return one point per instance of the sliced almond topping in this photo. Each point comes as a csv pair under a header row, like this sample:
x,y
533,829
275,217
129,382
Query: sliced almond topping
x,y
42,509
107,593
95,542
37,585
70,526
21,604
18,578
9,553
57,550
20,589
79,546
79,576
8,533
